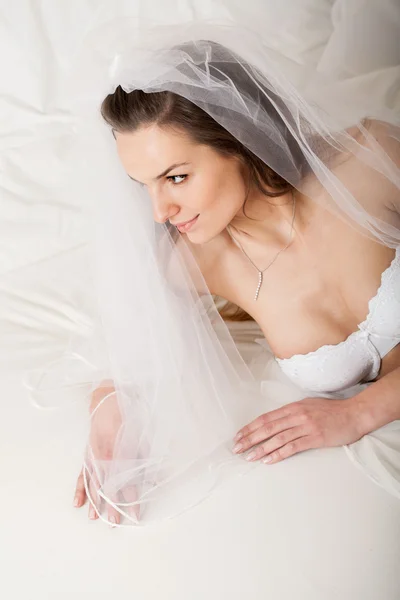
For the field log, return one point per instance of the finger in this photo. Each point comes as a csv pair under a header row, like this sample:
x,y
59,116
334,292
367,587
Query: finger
x,y
130,495
114,516
80,492
94,500
276,442
294,447
265,431
262,420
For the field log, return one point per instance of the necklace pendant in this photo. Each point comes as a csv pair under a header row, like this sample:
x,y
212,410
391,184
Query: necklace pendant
x,y
260,281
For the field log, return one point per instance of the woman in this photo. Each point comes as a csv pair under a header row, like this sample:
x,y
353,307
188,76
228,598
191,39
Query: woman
x,y
281,214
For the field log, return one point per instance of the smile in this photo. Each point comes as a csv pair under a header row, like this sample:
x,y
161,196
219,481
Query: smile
x,y
183,227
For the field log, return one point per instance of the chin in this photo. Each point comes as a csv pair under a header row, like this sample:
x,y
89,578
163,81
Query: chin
x,y
195,237
201,236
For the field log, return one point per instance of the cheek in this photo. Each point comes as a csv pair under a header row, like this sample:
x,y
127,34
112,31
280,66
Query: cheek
x,y
224,193
218,201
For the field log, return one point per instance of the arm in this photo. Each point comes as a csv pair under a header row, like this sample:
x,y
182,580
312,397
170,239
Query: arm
x,y
379,404
321,422
103,389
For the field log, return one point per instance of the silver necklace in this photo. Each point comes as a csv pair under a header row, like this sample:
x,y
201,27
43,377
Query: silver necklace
x,y
259,271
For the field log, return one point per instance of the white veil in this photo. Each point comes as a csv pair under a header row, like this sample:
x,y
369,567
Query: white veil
x,y
182,389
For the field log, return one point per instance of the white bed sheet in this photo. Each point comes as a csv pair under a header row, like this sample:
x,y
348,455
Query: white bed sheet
x,y
271,534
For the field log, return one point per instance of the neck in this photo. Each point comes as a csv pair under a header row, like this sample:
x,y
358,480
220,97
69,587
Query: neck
x,y
266,220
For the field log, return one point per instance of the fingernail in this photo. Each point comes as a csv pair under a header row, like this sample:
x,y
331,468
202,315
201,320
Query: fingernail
x,y
112,520
76,501
92,513
267,459
238,448
238,437
251,456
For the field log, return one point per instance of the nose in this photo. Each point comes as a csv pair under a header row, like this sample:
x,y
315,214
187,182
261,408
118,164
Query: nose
x,y
163,209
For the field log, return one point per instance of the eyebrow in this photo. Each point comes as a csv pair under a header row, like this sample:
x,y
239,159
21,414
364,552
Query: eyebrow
x,y
164,172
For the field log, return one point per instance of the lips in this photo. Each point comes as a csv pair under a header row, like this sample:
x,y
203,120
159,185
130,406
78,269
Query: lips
x,y
186,225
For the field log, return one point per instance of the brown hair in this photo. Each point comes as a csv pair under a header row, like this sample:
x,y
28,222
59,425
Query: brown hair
x,y
126,112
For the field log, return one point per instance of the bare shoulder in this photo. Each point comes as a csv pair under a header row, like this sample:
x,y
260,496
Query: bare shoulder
x,y
374,187
372,132
388,138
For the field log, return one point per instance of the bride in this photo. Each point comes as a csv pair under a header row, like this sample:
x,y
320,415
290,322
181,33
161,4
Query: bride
x,y
295,223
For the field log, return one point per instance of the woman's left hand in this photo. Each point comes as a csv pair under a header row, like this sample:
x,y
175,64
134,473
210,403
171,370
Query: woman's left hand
x,y
308,423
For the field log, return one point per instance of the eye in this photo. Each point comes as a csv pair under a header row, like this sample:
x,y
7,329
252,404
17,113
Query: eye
x,y
171,178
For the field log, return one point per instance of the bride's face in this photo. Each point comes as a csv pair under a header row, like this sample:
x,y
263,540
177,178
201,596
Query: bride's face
x,y
187,182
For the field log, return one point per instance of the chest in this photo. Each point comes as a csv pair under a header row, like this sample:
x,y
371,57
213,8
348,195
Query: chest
x,y
315,294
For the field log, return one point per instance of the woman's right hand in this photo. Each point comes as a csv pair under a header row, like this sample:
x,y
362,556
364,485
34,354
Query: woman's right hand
x,y
104,429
